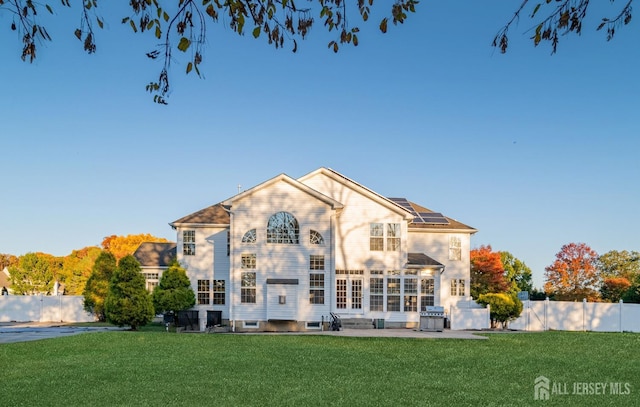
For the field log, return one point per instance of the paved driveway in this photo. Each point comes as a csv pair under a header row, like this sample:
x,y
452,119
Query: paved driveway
x,y
22,332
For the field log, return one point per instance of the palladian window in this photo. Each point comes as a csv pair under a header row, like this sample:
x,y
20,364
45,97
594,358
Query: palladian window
x,y
283,228
249,237
315,237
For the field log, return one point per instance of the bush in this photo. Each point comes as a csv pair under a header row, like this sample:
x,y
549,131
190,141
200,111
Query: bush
x,y
503,307
174,293
128,301
97,286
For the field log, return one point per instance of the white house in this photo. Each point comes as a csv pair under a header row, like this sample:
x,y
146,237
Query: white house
x,y
154,259
286,253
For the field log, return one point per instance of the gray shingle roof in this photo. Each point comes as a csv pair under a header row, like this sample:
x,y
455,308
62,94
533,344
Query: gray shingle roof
x,y
213,215
421,259
155,254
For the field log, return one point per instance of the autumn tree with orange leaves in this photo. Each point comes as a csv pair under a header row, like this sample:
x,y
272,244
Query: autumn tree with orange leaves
x,y
574,275
121,246
487,272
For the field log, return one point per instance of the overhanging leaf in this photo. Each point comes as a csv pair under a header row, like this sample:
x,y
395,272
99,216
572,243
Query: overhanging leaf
x,y
184,44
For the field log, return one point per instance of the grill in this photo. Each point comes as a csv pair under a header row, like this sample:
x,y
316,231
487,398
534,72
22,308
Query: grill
x,y
432,319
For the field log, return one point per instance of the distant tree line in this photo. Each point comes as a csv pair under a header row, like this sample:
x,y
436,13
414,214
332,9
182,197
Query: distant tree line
x,y
109,278
577,273
41,273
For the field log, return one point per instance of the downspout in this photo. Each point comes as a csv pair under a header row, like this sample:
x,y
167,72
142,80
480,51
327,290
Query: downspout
x,y
332,255
231,275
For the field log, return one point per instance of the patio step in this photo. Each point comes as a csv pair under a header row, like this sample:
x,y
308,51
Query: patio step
x,y
357,323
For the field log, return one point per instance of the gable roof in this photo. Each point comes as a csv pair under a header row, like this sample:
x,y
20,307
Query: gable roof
x,y
155,254
336,176
217,214
287,179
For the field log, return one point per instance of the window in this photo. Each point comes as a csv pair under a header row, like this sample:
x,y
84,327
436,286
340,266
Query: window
x,y
313,325
376,290
455,248
248,287
427,290
457,287
341,294
249,261
315,237
204,294
316,288
376,237
410,294
393,237
316,262
189,242
249,237
283,228
218,292
151,280
393,294
356,294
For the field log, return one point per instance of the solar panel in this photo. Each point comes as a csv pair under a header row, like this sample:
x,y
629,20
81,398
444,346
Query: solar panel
x,y
405,204
434,218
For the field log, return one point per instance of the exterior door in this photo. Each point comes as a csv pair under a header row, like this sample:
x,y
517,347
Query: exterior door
x,y
349,295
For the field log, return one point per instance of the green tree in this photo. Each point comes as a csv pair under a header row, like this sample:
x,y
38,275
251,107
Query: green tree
x,y
503,307
516,273
76,269
554,19
574,275
97,286
620,264
128,302
632,295
174,293
182,25
35,273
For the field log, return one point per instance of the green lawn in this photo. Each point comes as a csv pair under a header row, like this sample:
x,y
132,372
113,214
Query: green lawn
x,y
156,368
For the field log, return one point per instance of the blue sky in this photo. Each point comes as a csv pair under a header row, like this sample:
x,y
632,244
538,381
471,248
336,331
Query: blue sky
x,y
533,150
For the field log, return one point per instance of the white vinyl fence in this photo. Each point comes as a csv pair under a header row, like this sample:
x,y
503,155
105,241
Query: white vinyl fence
x,y
578,316
467,314
43,308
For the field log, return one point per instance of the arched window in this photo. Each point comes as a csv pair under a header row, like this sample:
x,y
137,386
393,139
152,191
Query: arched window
x,y
315,237
249,237
283,228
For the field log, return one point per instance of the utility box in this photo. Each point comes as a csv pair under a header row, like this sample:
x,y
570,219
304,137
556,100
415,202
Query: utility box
x,y
432,319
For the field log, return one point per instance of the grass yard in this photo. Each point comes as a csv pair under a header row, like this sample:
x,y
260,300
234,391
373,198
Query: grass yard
x,y
156,368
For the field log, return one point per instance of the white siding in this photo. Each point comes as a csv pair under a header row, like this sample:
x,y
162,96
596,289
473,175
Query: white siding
x,y
279,260
210,262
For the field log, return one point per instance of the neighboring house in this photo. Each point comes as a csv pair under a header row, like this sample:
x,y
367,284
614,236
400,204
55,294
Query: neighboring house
x,y
154,259
5,282
286,253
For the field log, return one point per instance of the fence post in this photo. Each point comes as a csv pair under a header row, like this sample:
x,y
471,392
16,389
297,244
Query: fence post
x,y
546,316
620,314
584,312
